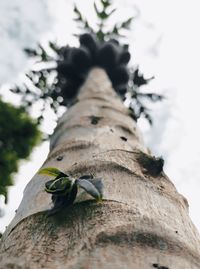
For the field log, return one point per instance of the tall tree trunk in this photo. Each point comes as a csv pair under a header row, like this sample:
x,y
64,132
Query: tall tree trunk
x,y
143,221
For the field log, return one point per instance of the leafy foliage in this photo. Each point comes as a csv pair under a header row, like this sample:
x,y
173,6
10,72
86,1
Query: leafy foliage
x,y
136,106
64,188
18,135
51,171
61,70
103,15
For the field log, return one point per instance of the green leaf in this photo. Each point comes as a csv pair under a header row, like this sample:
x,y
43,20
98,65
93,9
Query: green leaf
x,y
115,30
78,13
96,9
44,56
102,14
90,188
87,177
87,26
50,171
31,52
111,12
97,182
60,186
54,46
100,35
82,21
126,24
105,3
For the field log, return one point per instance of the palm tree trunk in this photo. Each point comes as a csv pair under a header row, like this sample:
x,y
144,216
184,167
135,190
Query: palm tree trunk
x,y
143,221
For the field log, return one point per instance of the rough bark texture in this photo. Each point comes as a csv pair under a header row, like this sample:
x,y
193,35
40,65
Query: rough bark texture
x,y
143,221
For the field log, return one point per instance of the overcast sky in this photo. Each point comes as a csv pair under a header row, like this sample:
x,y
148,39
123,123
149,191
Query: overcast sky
x,y
164,42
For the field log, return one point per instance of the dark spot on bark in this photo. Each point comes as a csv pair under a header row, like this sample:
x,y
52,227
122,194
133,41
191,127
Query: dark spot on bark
x,y
151,164
125,129
176,232
156,265
75,164
10,265
132,238
111,130
94,119
123,138
159,189
59,158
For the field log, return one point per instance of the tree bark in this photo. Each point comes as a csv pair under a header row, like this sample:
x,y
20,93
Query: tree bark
x,y
143,221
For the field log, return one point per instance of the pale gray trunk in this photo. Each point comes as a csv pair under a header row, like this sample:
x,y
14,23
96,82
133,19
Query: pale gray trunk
x,y
143,221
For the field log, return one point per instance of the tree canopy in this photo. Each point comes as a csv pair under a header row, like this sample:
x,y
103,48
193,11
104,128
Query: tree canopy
x,y
18,135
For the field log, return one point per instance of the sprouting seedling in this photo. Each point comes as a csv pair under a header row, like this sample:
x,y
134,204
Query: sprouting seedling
x,y
64,188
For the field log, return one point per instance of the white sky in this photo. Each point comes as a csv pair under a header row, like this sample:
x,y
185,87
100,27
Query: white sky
x,y
164,42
